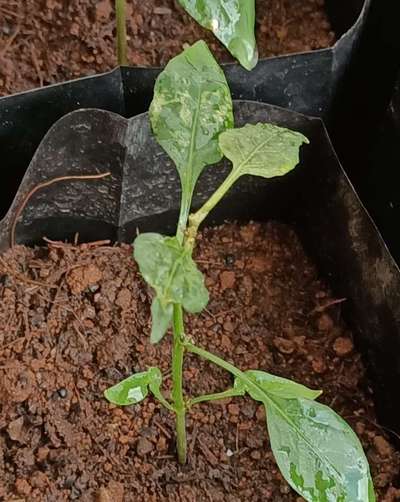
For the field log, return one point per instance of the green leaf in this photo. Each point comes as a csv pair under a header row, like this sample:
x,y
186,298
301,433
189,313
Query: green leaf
x,y
135,388
170,270
192,105
261,150
278,386
232,22
161,319
317,452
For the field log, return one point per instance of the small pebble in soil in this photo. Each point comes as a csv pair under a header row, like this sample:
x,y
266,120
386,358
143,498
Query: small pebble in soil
x,y
227,279
234,409
343,346
318,365
144,447
382,446
325,323
229,260
284,345
22,487
14,429
63,393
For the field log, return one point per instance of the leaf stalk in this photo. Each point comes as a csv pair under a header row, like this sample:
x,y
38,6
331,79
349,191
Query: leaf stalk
x,y
201,214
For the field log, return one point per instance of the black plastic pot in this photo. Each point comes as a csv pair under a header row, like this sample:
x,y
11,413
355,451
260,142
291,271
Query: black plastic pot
x,y
143,192
366,122
381,184
304,82
375,158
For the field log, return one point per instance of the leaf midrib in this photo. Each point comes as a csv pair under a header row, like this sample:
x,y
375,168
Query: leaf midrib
x,y
252,154
174,270
257,149
193,140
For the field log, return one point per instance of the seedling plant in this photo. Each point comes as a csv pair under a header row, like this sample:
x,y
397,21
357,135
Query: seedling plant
x,y
192,119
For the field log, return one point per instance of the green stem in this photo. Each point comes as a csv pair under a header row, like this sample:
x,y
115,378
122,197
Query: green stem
x,y
213,397
213,358
197,218
159,396
178,350
120,14
186,201
223,364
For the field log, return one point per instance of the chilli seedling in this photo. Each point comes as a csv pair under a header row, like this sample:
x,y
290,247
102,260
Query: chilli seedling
x,y
192,119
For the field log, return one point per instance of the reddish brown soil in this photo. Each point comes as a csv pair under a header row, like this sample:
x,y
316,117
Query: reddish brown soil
x,y
75,319
47,41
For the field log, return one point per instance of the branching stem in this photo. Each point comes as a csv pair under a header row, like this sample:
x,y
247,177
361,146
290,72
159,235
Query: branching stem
x,y
198,217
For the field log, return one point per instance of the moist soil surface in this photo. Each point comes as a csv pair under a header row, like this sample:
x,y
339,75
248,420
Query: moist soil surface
x,y
48,41
75,320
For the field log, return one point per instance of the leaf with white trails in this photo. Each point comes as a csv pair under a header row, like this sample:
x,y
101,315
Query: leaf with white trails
x,y
317,452
232,22
192,105
170,270
264,150
135,388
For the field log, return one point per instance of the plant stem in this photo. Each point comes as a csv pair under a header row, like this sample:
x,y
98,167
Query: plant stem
x,y
197,218
159,396
213,397
120,14
178,350
223,364
183,216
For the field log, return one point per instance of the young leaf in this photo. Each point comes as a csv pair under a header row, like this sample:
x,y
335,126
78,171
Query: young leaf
x,y
278,386
135,388
169,268
317,452
192,105
261,150
232,22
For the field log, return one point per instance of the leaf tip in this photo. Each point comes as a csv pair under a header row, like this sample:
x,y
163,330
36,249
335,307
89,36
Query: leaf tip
x,y
317,394
250,63
107,395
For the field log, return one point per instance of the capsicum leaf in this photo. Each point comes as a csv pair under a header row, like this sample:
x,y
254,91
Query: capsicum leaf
x,y
161,318
277,386
192,105
317,452
135,388
170,270
232,22
263,150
